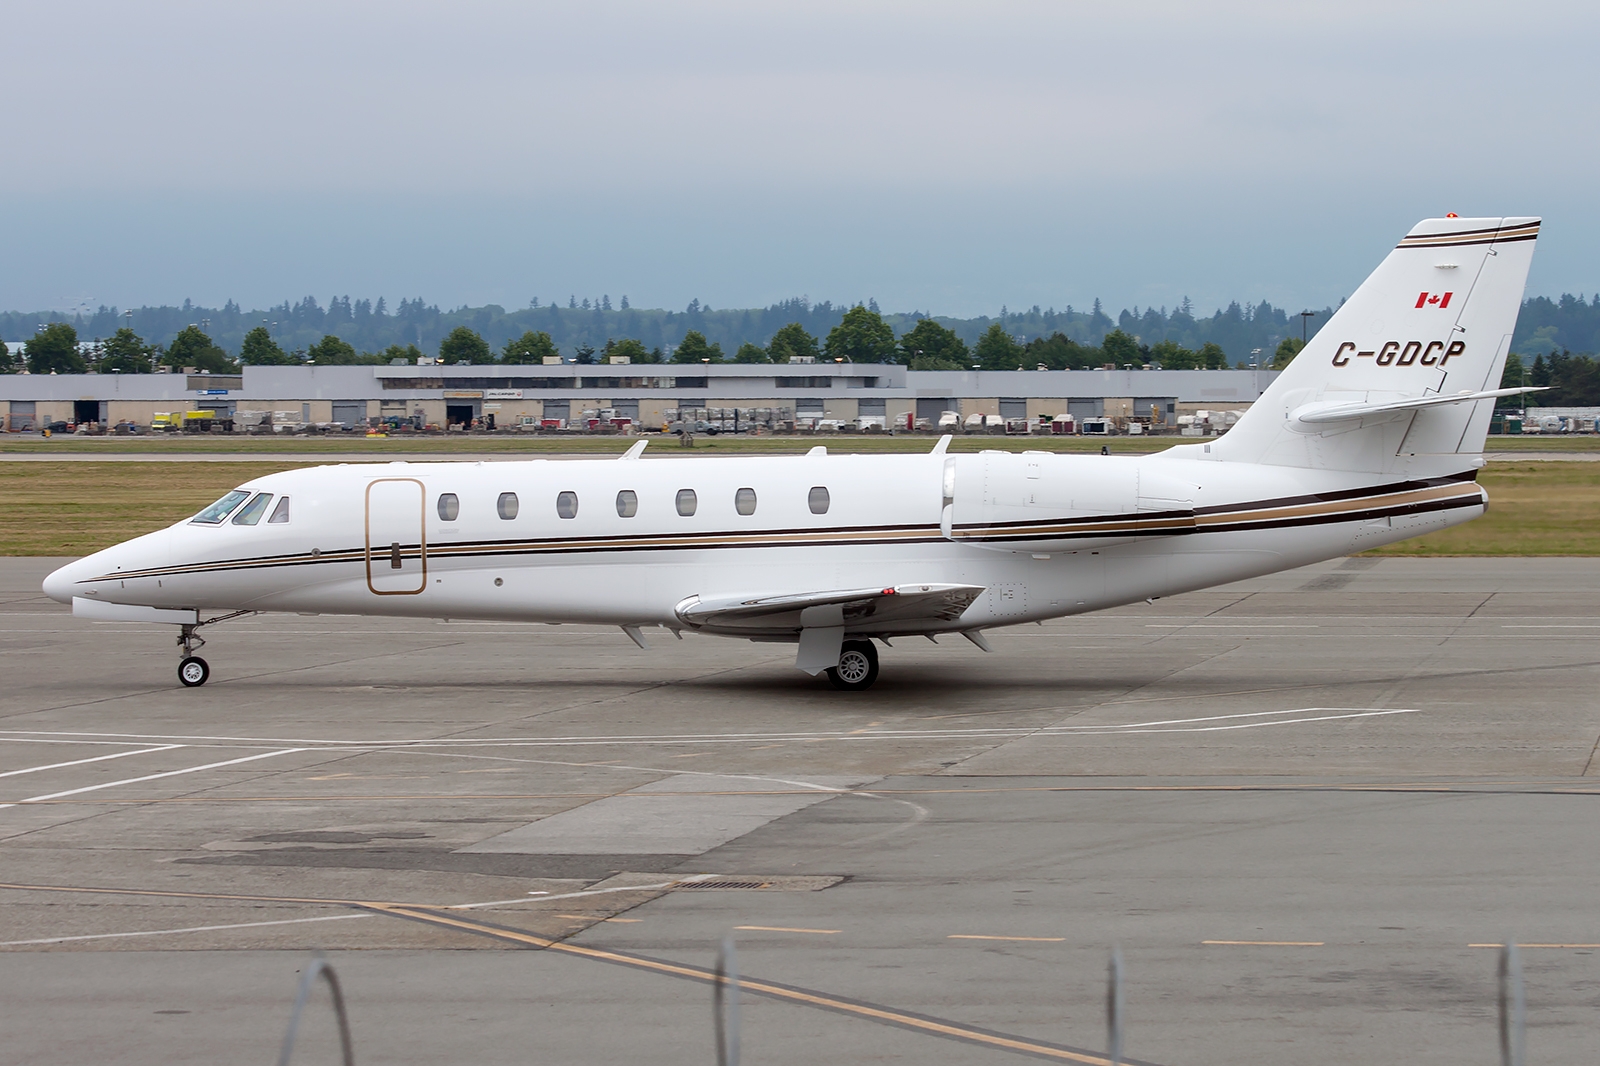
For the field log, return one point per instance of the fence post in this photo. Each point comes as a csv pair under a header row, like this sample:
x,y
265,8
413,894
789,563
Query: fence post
x,y
725,1003
1513,1007
1114,1007
319,968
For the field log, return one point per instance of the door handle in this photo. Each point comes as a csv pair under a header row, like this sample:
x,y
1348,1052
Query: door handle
x,y
394,556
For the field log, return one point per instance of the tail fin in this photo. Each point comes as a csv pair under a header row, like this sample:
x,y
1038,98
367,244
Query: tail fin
x,y
1433,323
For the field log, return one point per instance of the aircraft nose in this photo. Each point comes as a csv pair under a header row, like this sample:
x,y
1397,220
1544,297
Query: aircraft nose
x,y
59,585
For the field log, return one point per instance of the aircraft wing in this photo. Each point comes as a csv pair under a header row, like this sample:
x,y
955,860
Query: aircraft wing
x,y
790,612
1319,414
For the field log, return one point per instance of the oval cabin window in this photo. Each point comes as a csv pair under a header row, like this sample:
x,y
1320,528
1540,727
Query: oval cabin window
x,y
817,499
744,501
627,503
507,505
449,507
567,505
687,502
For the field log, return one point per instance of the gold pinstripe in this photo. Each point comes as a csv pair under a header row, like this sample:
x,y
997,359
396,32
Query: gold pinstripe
x,y
1467,493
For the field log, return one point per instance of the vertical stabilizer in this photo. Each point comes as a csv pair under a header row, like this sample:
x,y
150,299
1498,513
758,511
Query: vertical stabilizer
x,y
1434,320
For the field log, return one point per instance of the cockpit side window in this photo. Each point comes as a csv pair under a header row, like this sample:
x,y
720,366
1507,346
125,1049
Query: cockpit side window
x,y
251,512
213,515
280,513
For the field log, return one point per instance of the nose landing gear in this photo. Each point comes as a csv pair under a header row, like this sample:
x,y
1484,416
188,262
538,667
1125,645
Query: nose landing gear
x,y
194,671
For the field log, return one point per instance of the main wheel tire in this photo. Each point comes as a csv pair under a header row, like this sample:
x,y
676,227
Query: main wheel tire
x,y
858,667
193,671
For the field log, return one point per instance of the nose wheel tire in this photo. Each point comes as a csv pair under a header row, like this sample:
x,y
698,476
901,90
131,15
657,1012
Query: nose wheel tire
x,y
858,667
193,671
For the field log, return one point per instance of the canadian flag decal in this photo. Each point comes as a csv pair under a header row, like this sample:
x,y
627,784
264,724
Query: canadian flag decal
x,y
1434,299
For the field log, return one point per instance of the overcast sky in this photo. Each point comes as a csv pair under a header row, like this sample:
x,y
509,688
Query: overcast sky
x,y
950,157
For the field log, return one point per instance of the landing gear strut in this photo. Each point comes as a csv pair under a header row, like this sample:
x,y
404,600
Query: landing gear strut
x,y
858,666
194,671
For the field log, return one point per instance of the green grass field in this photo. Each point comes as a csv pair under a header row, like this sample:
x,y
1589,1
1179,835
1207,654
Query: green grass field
x,y
70,508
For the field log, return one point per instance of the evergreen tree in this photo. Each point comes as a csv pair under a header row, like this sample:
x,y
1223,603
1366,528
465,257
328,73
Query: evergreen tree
x,y
1121,349
627,348
1288,348
751,353
259,349
694,349
463,345
861,337
126,353
531,347
996,350
408,355
930,346
54,350
335,351
193,348
790,341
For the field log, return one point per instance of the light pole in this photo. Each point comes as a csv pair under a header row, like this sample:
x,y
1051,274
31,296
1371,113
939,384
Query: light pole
x,y
1305,316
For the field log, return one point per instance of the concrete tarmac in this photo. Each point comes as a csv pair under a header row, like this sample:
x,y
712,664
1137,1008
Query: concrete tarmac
x,y
1306,808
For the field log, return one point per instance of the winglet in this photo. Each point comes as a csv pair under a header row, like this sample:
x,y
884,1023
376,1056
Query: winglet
x,y
943,445
635,451
820,449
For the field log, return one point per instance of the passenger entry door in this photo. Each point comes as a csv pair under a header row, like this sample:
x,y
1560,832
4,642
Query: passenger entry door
x,y
397,549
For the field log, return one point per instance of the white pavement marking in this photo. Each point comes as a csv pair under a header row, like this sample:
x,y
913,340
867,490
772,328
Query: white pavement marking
x,y
97,758
999,732
1201,625
189,929
660,885
151,777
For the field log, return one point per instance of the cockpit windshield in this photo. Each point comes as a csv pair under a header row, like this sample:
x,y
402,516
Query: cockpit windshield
x,y
213,515
251,512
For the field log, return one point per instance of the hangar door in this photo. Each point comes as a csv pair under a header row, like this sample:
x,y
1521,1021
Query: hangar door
x,y
397,548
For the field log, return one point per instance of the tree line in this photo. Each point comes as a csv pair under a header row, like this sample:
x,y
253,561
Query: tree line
x,y
861,336
373,326
364,331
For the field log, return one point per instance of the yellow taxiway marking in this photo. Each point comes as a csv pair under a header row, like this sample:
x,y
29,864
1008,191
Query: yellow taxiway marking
x,y
1034,939
786,929
900,1019
1581,946
1268,943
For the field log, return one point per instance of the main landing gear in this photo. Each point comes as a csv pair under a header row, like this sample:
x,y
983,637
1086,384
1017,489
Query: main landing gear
x,y
858,666
194,671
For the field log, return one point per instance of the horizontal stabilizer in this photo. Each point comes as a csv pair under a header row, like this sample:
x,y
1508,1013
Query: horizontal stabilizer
x,y
1320,414
910,603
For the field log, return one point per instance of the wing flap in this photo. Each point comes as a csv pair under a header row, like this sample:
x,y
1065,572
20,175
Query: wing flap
x,y
933,602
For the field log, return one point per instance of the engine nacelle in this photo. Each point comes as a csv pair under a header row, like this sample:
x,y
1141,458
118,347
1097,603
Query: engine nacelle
x,y
1043,503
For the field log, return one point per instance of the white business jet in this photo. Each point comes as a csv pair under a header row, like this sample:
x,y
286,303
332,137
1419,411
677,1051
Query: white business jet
x,y
1372,435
